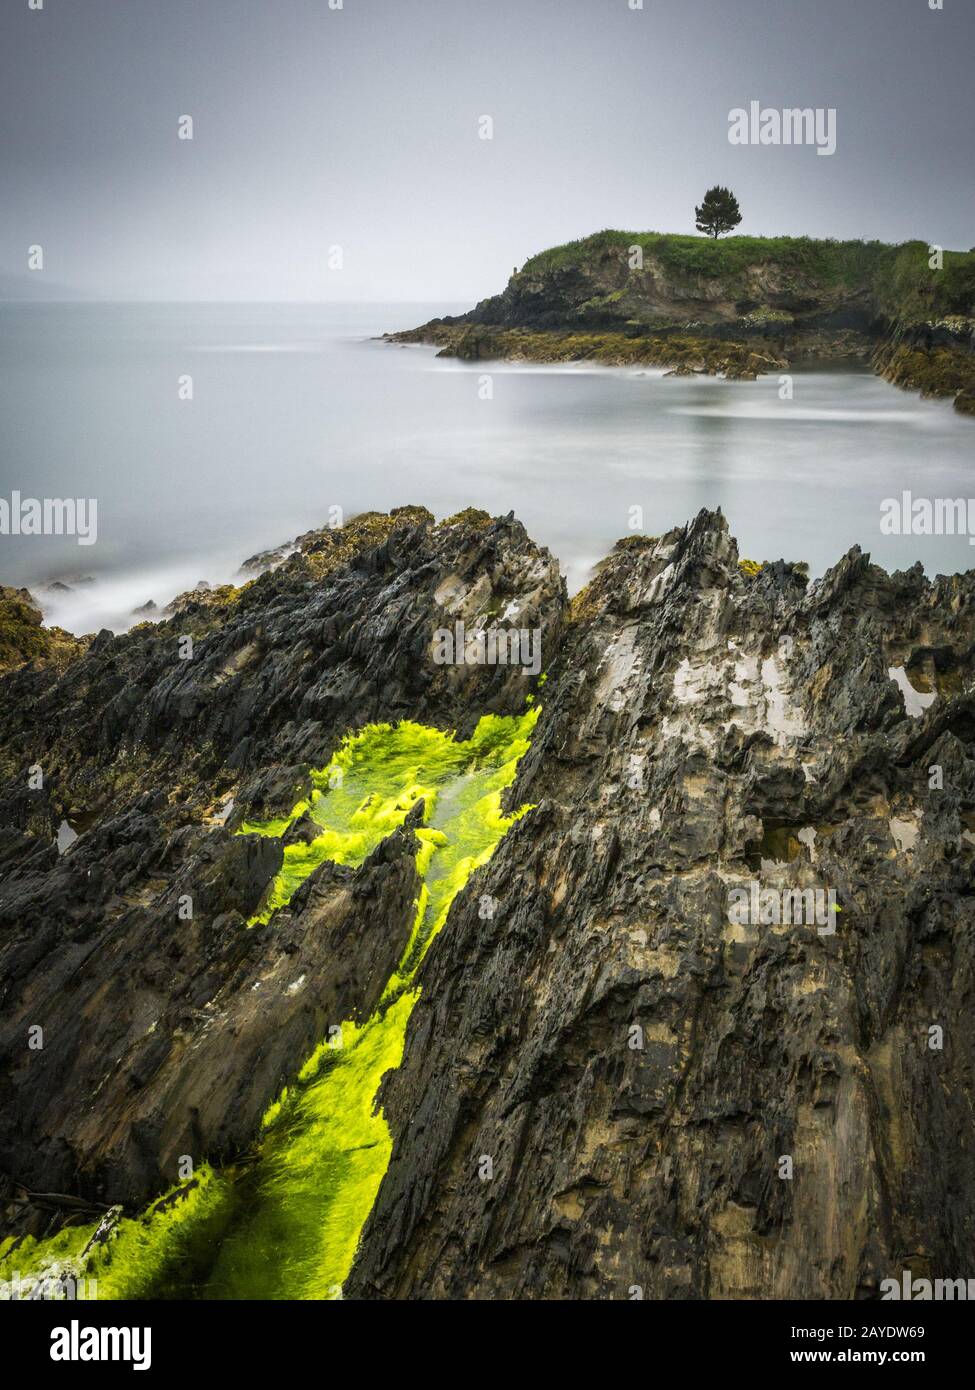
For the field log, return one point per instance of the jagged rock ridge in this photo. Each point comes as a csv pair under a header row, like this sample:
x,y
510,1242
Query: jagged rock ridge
x,y
634,1064
165,1036
703,730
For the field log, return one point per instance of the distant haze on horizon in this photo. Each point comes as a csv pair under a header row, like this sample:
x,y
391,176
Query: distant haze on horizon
x,y
359,128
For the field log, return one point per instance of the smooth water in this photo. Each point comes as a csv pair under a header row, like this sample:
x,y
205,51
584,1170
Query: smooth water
x,y
296,409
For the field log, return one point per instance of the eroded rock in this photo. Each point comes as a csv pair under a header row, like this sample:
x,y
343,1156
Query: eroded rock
x,y
701,723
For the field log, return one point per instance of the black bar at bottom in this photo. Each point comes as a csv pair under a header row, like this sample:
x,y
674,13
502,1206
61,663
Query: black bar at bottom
x,y
276,1337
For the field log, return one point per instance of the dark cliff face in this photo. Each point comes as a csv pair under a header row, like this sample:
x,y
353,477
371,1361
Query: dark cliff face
x,y
166,1037
705,731
604,291
641,281
634,1072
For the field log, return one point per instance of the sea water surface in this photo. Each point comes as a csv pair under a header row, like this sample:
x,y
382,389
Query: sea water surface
x,y
296,409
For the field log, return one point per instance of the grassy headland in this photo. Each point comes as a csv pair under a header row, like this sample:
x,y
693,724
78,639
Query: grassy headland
x,y
737,306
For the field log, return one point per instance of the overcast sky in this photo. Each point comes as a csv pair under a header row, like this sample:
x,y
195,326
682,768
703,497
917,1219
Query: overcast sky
x,y
358,127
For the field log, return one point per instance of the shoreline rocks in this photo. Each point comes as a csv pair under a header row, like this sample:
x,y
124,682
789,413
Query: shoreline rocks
x,y
151,1039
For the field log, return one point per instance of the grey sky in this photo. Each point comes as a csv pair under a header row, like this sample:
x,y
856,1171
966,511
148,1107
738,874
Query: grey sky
x,y
359,127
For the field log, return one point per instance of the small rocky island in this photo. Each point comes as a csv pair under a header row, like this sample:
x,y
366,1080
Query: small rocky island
x,y
738,307
606,1083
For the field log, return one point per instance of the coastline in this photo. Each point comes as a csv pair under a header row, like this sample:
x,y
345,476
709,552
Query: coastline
x,y
738,308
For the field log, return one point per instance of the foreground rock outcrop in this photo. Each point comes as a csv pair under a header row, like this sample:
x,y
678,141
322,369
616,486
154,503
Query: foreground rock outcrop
x,y
666,1100
702,1025
167,1024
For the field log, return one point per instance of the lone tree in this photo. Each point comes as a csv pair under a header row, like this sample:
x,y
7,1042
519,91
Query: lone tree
x,y
719,212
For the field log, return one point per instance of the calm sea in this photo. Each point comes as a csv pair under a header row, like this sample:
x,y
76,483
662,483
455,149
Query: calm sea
x,y
296,409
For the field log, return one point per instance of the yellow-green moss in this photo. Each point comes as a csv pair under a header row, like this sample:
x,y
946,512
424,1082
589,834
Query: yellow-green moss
x,y
938,371
285,1223
23,638
326,1147
470,516
155,1254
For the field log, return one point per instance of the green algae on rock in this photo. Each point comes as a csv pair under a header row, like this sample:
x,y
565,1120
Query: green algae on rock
x,y
152,1255
169,1026
286,1224
326,1147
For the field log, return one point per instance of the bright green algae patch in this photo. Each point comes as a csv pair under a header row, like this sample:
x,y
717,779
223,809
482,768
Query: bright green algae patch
x,y
372,784
153,1255
326,1146
286,1223
319,1169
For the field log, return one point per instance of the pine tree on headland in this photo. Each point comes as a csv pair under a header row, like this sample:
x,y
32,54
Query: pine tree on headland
x,y
719,212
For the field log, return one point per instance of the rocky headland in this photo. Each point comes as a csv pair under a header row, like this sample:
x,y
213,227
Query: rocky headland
x,y
739,307
510,893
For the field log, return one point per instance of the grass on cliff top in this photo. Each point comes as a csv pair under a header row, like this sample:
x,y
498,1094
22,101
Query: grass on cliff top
x,y
903,284
700,255
909,290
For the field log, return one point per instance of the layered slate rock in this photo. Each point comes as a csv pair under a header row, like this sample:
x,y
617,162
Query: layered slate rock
x,y
165,1036
613,1086
336,637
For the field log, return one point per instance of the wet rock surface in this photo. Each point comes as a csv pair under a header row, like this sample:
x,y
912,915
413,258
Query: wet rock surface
x,y
602,1082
